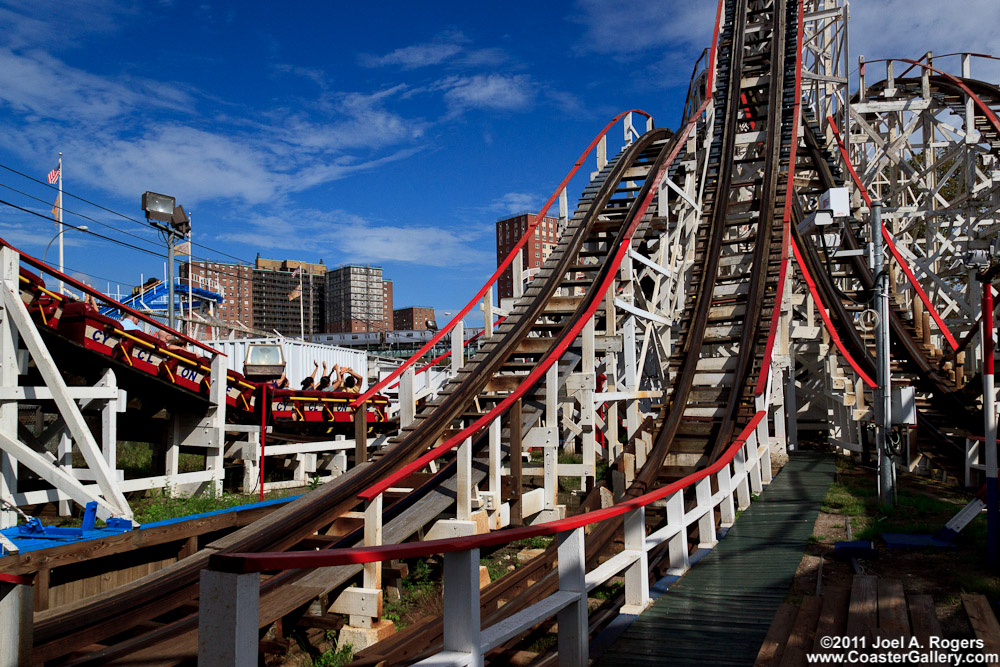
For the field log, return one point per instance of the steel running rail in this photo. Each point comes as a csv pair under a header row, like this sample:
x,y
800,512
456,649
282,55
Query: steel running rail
x,y
500,269
567,339
289,560
761,385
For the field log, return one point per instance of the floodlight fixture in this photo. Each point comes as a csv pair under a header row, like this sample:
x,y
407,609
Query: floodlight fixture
x,y
158,207
978,259
180,221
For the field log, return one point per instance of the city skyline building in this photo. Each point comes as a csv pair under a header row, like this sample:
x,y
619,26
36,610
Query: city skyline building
x,y
358,299
541,244
288,296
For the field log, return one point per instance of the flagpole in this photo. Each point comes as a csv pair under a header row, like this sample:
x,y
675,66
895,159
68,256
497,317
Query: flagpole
x,y
190,327
60,211
302,323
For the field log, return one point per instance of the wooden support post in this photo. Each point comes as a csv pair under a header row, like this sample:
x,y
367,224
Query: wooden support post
x,y
517,273
572,619
727,508
792,410
706,524
16,621
218,386
637,574
65,461
753,463
361,434
550,463
677,546
488,314
463,492
496,428
8,379
41,588
514,429
109,423
407,401
373,538
461,605
587,408
457,349
551,454
763,435
740,479
227,624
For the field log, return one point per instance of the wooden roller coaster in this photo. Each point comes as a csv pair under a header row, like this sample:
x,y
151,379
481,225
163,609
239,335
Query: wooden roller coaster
x,y
711,212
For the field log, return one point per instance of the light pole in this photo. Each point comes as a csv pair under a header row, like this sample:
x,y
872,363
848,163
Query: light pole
x,y
162,208
62,229
883,412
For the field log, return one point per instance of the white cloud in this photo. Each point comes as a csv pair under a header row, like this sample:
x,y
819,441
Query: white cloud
x,y
909,28
515,202
58,23
350,238
35,83
489,91
412,57
130,137
448,49
631,27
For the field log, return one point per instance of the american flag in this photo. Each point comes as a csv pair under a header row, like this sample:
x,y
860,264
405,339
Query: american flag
x,y
296,271
54,176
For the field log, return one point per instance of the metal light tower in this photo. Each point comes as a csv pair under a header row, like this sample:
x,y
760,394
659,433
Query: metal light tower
x,y
883,413
163,208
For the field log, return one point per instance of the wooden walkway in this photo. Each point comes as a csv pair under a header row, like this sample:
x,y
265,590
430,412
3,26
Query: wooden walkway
x,y
873,612
719,612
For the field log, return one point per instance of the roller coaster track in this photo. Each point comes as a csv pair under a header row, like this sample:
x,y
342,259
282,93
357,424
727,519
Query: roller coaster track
x,y
725,331
713,376
535,326
945,415
725,327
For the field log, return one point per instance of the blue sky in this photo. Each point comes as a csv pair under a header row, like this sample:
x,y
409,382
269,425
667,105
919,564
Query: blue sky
x,y
333,131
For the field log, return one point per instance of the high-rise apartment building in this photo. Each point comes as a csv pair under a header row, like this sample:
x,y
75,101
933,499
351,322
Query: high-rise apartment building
x,y
543,240
233,281
358,299
280,304
414,318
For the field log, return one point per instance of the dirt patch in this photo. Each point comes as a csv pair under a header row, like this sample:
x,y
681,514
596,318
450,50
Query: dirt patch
x,y
923,506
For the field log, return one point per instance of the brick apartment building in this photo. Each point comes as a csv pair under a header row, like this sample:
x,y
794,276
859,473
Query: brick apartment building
x,y
414,318
233,281
357,300
538,248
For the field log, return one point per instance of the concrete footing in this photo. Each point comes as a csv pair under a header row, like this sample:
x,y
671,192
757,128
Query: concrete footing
x,y
362,638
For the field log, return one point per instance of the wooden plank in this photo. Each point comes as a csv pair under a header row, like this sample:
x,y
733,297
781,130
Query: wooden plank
x,y
892,620
923,617
41,586
514,435
983,622
832,616
777,636
802,636
862,614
